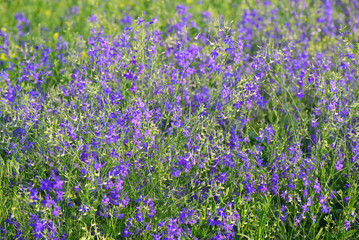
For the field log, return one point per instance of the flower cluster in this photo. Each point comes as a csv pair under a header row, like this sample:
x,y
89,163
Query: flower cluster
x,y
186,127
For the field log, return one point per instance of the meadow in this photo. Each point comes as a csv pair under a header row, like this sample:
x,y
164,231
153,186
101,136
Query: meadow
x,y
179,119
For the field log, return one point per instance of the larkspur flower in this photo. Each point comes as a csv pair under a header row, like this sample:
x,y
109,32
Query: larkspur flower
x,y
346,225
173,126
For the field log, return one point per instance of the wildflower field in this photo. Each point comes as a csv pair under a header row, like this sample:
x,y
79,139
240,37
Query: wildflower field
x,y
179,119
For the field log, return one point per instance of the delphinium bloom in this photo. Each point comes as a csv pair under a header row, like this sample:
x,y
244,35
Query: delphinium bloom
x,y
176,123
